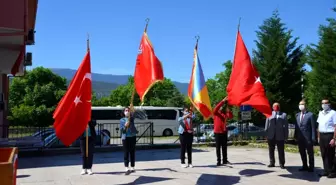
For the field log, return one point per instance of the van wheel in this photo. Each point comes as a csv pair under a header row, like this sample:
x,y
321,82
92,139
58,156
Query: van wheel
x,y
167,132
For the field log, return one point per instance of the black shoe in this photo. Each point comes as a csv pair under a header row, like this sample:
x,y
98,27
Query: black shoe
x,y
271,165
310,170
219,164
282,166
226,162
332,175
324,174
304,168
127,172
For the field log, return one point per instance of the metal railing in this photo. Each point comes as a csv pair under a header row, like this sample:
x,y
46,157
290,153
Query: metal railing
x,y
108,134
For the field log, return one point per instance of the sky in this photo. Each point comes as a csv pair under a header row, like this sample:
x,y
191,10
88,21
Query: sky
x,y
115,28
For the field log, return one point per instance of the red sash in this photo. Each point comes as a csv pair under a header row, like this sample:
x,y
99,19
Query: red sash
x,y
187,125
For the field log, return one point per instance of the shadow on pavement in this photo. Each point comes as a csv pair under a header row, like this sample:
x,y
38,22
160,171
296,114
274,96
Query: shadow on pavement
x,y
305,176
213,166
22,176
253,172
249,163
123,172
213,179
147,180
100,158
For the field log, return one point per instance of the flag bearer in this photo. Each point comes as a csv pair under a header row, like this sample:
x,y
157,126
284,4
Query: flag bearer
x,y
88,160
220,116
128,136
186,136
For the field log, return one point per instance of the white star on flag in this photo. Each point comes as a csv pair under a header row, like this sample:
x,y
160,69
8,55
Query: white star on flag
x,y
77,100
257,79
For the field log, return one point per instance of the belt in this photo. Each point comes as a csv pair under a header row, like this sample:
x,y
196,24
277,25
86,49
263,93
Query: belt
x,y
326,132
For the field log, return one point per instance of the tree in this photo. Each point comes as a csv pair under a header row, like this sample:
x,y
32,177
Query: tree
x,y
103,101
161,94
279,62
322,59
34,97
217,85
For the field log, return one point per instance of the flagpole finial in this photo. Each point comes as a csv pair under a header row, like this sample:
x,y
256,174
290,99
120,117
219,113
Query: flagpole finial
x,y
88,42
197,37
239,23
147,21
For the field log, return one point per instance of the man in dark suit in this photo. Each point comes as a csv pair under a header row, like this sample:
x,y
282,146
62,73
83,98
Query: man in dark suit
x,y
277,133
305,128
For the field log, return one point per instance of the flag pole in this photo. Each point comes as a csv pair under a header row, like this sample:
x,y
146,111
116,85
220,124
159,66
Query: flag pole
x,y
197,37
87,128
238,29
133,91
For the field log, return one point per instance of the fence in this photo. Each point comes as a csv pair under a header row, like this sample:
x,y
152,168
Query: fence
x,y
108,134
45,137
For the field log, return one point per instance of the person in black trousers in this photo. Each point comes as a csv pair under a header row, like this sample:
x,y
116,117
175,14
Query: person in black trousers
x,y
186,136
305,129
327,138
277,133
220,116
88,160
128,137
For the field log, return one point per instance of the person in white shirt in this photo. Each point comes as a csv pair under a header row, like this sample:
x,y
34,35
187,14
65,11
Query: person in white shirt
x,y
327,137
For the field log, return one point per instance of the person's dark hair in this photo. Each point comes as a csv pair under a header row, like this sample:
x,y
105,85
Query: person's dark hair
x,y
122,113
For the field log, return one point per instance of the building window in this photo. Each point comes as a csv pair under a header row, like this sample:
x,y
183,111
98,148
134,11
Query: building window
x,y
161,114
106,114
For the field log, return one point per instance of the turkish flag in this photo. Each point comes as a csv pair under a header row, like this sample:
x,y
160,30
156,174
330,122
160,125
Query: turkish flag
x,y
245,87
73,112
148,69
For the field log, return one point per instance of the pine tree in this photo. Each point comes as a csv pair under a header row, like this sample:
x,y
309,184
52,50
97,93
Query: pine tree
x,y
279,62
322,59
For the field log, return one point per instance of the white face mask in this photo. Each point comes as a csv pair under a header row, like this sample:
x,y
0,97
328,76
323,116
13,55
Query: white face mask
x,y
301,107
126,113
325,107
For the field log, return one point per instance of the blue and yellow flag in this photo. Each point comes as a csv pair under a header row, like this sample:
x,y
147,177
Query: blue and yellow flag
x,y
198,91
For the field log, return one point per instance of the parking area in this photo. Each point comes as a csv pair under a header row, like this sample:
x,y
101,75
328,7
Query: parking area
x,y
163,167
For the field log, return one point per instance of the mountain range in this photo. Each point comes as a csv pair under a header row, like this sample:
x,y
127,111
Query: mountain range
x,y
103,84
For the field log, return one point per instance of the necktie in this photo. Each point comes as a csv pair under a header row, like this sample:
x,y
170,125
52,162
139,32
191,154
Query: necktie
x,y
301,117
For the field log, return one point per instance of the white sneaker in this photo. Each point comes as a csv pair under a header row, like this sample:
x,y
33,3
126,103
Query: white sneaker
x,y
89,171
184,165
126,169
83,172
190,166
132,169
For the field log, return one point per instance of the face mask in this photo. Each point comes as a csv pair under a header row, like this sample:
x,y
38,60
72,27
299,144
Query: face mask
x,y
126,113
325,106
301,107
276,108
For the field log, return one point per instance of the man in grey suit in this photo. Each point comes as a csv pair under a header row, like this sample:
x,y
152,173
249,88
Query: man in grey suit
x,y
305,128
277,133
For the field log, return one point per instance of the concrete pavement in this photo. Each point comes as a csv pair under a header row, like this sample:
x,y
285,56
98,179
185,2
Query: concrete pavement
x,y
163,167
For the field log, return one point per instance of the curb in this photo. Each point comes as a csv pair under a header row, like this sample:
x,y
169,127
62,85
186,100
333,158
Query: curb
x,y
101,149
